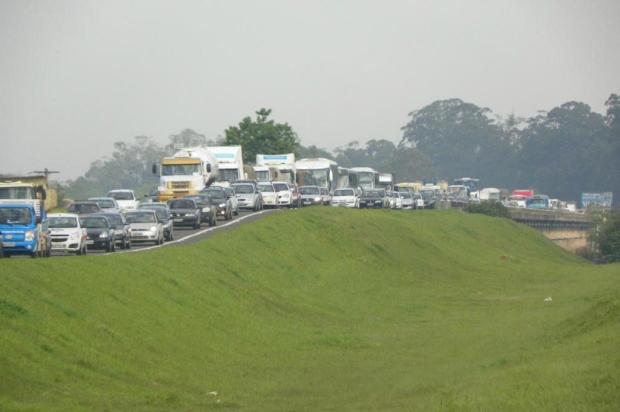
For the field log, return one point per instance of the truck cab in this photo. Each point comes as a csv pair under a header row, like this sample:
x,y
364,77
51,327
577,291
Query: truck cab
x,y
22,232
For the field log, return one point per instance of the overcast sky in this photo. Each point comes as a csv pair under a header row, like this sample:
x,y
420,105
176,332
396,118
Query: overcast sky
x,y
76,76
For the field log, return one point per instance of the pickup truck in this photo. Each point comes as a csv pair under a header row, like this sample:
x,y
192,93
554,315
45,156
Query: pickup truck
x,y
22,232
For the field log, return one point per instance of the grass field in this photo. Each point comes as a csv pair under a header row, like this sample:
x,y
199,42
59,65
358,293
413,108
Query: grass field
x,y
317,310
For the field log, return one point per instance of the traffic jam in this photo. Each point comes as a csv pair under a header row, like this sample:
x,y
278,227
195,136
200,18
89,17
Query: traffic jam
x,y
203,187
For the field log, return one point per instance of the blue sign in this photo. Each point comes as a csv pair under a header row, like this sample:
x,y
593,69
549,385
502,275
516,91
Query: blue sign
x,y
604,199
275,157
224,156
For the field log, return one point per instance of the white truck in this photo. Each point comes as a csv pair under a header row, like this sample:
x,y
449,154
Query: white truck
x,y
187,172
386,181
490,194
229,162
275,167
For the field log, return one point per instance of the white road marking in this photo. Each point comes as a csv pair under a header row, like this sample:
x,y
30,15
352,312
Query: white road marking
x,y
202,232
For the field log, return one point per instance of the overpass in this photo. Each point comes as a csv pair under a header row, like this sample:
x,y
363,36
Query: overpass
x,y
568,230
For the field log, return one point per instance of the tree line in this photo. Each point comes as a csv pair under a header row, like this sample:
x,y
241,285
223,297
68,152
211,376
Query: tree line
x,y
561,152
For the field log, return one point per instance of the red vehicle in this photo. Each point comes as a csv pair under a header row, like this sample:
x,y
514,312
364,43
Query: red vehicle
x,y
526,193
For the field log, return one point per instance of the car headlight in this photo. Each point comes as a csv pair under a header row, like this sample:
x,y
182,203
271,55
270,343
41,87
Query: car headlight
x,y
153,229
222,205
29,235
316,199
103,235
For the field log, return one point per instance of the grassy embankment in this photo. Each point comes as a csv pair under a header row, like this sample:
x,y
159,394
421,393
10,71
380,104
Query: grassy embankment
x,y
317,309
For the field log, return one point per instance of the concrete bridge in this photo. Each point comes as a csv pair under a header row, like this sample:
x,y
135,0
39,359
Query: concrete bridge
x,y
568,230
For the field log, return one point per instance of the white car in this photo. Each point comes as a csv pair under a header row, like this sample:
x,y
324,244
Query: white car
x,y
234,202
67,233
345,198
406,200
125,198
144,226
247,195
268,194
107,204
283,192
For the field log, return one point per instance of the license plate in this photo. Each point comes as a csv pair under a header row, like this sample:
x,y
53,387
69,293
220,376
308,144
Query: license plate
x,y
307,202
90,242
8,244
178,220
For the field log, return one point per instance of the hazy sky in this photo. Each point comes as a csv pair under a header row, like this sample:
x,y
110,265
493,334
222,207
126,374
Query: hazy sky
x,y
76,76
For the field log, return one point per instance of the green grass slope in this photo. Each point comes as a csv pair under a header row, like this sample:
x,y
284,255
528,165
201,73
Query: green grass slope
x,y
317,310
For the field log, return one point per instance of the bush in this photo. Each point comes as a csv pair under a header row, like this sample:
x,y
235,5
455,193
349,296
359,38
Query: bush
x,y
608,236
495,209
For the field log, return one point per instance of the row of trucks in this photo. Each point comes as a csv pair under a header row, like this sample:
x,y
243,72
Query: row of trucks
x,y
190,170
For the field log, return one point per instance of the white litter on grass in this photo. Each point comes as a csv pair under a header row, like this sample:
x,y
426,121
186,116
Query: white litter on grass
x,y
548,299
212,393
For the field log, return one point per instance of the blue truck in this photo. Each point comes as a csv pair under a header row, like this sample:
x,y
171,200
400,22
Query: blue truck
x,y
23,231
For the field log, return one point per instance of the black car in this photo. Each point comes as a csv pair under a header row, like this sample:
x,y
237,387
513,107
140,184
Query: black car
x,y
374,198
122,236
99,232
221,200
208,211
185,212
84,208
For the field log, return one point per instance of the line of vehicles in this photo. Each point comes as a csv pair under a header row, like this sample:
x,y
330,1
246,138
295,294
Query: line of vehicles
x,y
198,185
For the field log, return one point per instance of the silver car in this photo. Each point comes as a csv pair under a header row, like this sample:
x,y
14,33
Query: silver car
x,y
144,226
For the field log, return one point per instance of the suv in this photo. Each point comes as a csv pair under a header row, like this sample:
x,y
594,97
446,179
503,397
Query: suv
x,y
125,198
66,232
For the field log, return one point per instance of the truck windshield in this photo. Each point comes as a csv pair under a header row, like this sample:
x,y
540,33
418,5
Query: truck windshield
x,y
316,177
16,193
15,216
62,222
179,170
262,175
229,175
140,217
244,189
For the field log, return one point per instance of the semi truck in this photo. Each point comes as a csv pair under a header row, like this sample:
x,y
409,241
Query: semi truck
x,y
229,162
275,167
187,172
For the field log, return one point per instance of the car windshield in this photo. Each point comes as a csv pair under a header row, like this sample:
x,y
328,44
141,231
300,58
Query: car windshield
x,y
344,192
141,217
94,222
309,190
105,203
160,211
125,195
15,216
265,188
62,222
243,189
280,187
83,208
114,220
404,195
182,204
374,193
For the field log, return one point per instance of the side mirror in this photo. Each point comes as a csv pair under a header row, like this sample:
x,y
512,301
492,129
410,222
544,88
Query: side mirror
x,y
208,167
154,168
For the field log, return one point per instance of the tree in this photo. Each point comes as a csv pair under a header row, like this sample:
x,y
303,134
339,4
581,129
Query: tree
x,y
261,136
312,151
461,139
186,138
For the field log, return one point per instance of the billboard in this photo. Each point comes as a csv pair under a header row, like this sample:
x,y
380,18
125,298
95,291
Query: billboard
x,y
604,199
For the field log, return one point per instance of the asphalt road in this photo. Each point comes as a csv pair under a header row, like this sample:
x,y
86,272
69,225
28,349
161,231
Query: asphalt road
x,y
187,235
